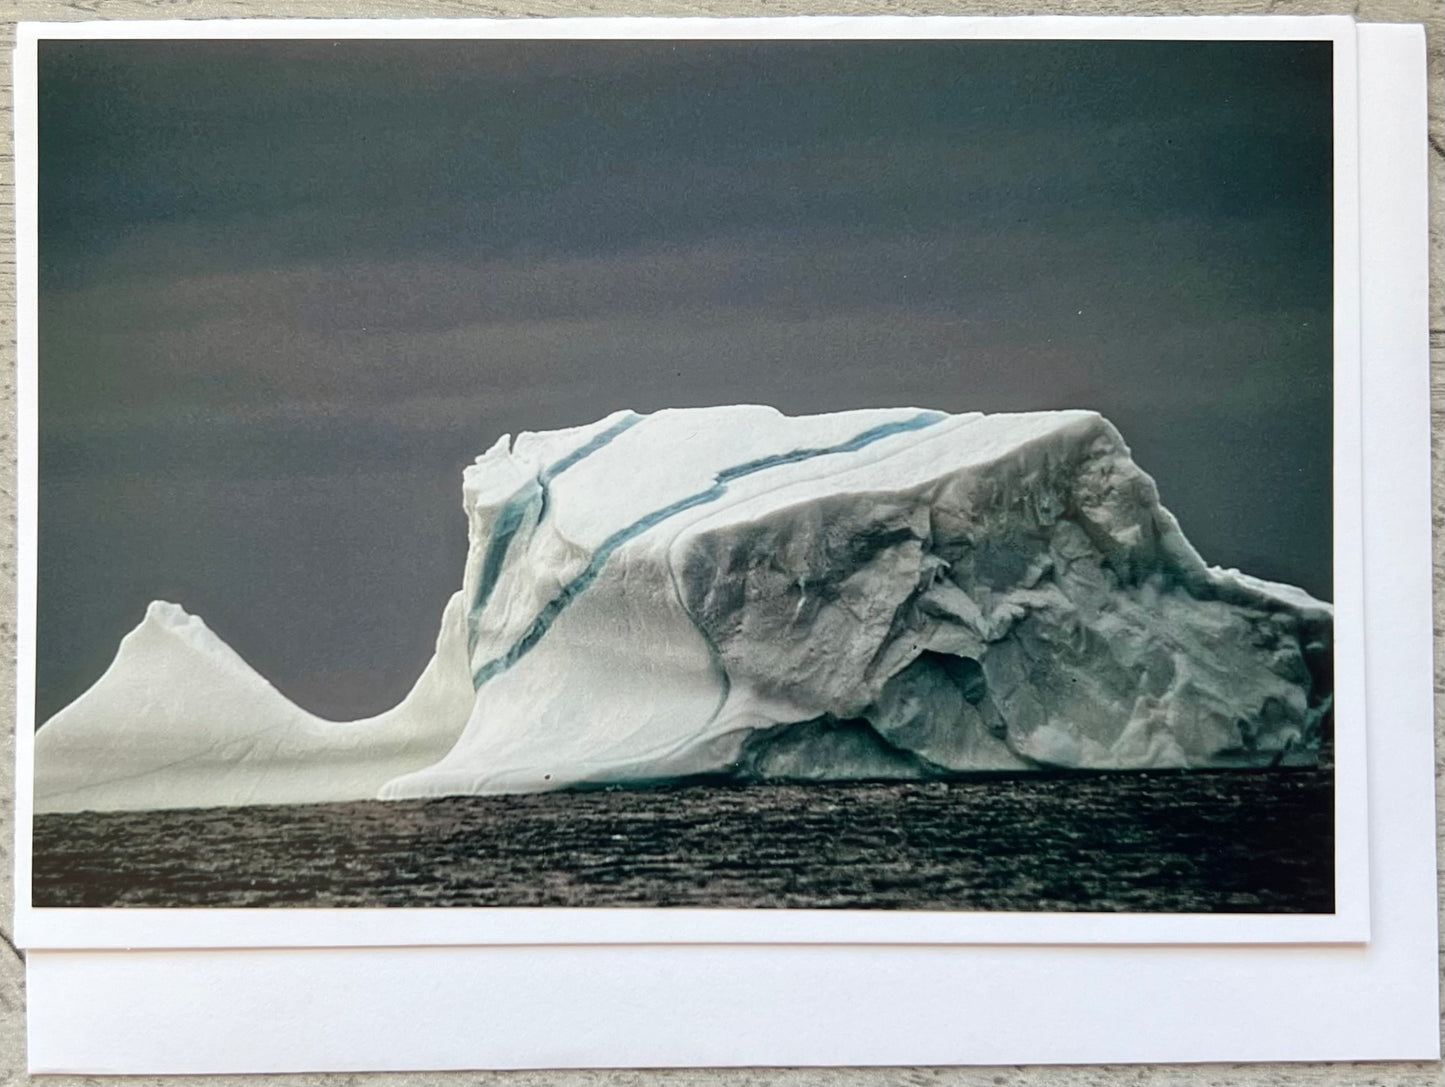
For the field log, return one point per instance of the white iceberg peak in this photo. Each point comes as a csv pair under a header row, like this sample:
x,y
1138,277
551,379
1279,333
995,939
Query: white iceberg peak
x,y
179,719
165,620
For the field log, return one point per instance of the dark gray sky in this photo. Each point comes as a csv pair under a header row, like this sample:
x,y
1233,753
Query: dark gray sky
x,y
288,290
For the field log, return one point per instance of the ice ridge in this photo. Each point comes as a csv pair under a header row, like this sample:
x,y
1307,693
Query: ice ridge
x,y
624,535
893,594
510,518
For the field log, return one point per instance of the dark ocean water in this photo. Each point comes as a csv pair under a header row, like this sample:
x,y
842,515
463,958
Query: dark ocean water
x,y
1256,841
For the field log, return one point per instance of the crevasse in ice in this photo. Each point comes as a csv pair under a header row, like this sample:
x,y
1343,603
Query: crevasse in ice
x,y
731,592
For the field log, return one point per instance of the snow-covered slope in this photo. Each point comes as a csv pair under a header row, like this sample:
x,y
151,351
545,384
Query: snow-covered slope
x,y
180,720
729,591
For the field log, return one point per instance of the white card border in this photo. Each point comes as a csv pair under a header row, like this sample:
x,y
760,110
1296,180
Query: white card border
x,y
459,1008
307,927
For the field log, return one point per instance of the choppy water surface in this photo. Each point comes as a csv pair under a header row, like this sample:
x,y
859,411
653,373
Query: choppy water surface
x,y
1258,841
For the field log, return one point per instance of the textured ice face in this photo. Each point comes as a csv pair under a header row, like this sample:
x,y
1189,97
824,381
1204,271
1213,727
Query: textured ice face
x,y
728,591
865,594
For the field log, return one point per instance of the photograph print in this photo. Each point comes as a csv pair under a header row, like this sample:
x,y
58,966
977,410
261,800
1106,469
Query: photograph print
x,y
813,474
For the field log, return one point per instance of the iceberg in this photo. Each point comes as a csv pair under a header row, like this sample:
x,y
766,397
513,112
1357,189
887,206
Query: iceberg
x,y
732,593
180,720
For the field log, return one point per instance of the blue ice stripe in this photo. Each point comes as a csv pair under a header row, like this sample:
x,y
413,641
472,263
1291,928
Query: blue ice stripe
x,y
509,519
504,528
586,449
583,581
859,441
